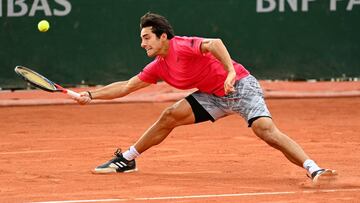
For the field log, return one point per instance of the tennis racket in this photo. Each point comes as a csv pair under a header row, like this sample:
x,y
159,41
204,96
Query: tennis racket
x,y
42,82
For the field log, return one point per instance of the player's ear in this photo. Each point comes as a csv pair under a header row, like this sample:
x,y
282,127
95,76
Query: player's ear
x,y
163,36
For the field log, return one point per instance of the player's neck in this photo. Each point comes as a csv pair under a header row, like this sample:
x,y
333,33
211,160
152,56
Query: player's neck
x,y
164,49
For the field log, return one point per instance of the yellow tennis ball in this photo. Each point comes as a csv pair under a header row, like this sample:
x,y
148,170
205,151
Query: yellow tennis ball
x,y
43,26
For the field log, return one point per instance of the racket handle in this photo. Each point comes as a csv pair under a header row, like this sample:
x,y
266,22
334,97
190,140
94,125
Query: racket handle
x,y
73,94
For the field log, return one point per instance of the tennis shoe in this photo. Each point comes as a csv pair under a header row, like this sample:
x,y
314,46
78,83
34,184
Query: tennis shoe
x,y
323,175
118,164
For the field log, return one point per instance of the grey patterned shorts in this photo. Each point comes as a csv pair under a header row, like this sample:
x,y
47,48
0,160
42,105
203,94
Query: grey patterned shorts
x,y
247,101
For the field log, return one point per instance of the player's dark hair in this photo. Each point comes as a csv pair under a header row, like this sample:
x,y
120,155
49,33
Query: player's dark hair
x,y
158,23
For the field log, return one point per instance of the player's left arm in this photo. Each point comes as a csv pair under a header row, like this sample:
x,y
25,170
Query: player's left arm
x,y
217,48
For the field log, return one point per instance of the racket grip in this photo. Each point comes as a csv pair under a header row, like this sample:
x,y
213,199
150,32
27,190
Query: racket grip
x,y
73,94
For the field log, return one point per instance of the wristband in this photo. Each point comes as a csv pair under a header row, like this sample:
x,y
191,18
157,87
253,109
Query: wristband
x,y
90,96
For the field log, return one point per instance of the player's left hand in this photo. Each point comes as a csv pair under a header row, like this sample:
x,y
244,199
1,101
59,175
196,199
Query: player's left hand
x,y
229,82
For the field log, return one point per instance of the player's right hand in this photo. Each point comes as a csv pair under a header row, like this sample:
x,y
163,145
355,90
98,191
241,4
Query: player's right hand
x,y
229,83
84,98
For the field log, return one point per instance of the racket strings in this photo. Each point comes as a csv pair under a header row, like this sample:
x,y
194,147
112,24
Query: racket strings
x,y
38,80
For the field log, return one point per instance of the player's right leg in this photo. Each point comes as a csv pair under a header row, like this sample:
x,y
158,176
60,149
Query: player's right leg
x,y
176,115
181,113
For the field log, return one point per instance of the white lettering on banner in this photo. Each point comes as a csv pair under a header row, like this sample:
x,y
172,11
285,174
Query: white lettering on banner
x,y
266,6
66,5
18,3
351,4
333,4
260,6
305,5
44,6
292,4
18,8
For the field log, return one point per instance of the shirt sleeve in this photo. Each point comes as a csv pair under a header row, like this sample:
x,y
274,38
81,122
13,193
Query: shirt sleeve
x,y
190,45
197,45
150,73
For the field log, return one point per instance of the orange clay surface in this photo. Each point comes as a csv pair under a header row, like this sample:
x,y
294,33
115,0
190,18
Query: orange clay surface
x,y
47,154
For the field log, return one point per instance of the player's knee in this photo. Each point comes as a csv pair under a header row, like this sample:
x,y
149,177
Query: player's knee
x,y
168,117
267,132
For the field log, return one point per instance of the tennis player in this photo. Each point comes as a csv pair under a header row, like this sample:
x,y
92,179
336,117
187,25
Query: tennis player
x,y
224,86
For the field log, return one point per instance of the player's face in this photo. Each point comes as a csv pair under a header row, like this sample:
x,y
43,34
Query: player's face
x,y
152,44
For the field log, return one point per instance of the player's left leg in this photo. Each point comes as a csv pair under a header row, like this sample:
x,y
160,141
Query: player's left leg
x,y
265,129
253,108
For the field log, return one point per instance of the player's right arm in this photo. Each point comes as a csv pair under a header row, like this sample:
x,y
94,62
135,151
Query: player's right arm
x,y
113,90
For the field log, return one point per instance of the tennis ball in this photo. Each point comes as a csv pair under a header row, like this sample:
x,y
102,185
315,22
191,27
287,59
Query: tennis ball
x,y
43,26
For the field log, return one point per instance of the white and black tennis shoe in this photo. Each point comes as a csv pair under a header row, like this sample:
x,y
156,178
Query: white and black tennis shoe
x,y
118,164
323,175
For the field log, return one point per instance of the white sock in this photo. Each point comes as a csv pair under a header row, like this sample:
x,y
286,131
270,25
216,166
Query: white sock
x,y
310,166
131,154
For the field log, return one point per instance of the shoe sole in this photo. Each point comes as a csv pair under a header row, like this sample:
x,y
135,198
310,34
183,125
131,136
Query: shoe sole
x,y
111,170
325,177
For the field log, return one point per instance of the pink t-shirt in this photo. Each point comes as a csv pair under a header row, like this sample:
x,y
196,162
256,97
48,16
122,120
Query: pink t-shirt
x,y
185,67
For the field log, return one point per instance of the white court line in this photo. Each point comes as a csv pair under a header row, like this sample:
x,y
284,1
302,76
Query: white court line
x,y
28,152
206,196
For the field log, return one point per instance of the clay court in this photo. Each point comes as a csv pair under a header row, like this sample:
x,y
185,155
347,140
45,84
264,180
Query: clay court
x,y
47,153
